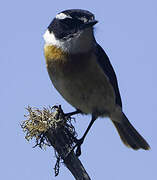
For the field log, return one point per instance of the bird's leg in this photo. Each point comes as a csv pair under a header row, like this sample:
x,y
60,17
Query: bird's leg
x,y
81,140
73,113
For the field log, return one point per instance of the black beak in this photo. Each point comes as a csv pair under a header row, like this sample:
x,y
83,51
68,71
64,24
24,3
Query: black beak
x,y
89,24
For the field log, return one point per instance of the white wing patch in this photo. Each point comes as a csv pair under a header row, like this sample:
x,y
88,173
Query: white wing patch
x,y
62,16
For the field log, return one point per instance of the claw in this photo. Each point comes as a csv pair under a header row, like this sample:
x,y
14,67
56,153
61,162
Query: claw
x,y
78,146
78,151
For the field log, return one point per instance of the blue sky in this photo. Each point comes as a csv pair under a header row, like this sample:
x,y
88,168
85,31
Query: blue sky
x,y
127,32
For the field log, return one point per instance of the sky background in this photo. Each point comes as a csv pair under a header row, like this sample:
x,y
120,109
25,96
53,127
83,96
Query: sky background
x,y
127,30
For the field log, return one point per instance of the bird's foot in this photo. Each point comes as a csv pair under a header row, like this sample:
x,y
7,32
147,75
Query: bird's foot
x,y
66,115
78,144
72,113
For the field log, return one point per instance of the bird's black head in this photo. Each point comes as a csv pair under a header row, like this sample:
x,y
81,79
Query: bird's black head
x,y
69,22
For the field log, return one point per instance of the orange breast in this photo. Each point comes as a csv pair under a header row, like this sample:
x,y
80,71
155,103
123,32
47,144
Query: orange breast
x,y
62,61
52,52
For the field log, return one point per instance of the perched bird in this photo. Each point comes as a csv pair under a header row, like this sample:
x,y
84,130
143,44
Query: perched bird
x,y
82,73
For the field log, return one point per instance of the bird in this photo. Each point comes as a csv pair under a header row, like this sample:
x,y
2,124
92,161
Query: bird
x,y
81,72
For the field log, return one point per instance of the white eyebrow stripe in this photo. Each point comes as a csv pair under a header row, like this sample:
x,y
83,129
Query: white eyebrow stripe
x,y
62,16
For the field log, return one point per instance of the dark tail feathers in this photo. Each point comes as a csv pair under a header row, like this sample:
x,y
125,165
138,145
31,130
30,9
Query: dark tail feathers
x,y
129,135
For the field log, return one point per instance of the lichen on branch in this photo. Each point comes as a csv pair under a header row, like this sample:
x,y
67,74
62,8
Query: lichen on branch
x,y
51,127
38,122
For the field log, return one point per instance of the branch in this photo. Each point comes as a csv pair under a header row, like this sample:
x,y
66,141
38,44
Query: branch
x,y
51,127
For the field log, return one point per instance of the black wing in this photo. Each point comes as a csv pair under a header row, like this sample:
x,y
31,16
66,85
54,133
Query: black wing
x,y
105,64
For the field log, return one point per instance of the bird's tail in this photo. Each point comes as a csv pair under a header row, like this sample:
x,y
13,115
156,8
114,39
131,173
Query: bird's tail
x,y
129,134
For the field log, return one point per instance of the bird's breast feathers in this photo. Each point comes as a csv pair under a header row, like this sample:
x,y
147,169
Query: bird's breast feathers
x,y
80,80
52,53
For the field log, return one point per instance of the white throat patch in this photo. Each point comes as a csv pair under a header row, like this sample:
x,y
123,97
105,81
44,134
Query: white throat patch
x,y
78,44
